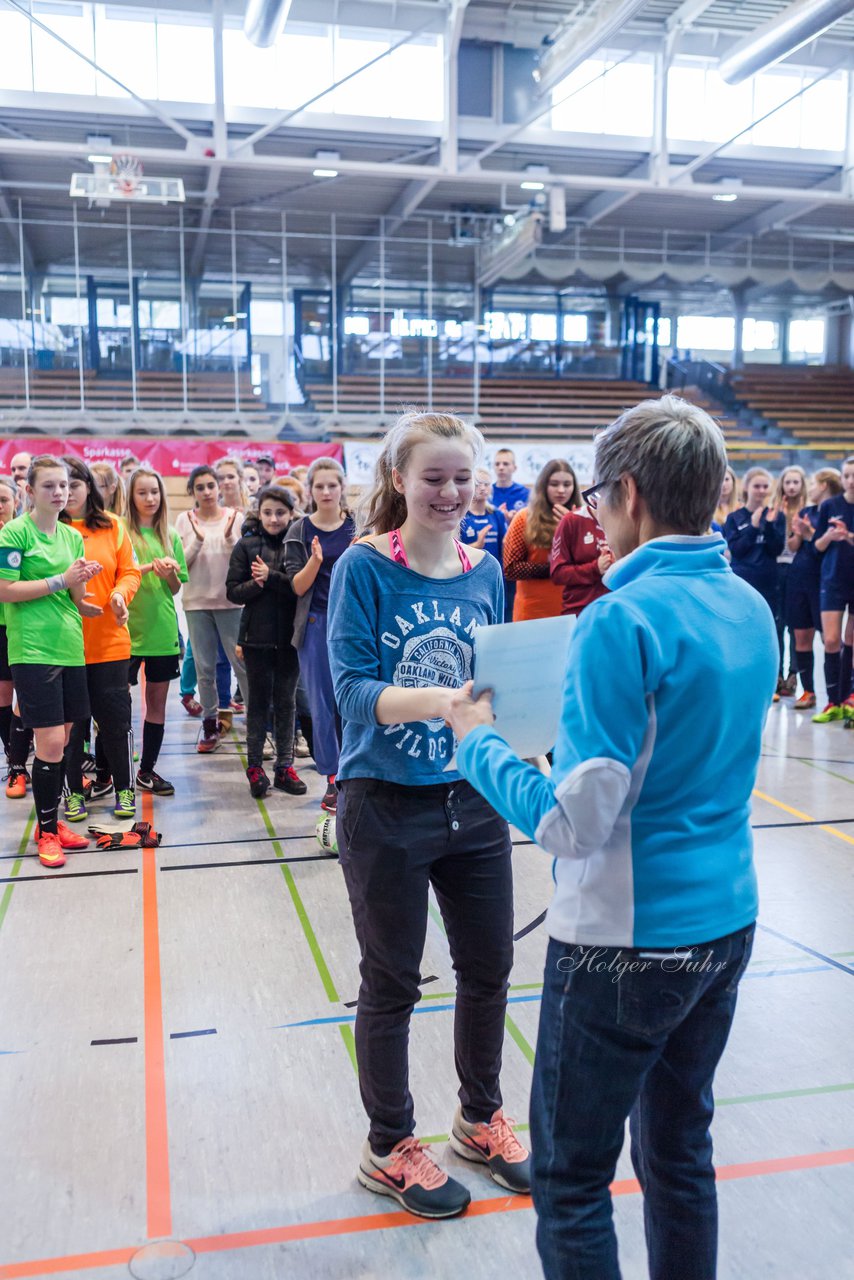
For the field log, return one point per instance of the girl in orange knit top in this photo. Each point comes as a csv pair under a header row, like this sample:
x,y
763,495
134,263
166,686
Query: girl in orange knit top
x,y
529,540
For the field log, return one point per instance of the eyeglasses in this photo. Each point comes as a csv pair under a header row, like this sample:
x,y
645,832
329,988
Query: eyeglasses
x,y
589,496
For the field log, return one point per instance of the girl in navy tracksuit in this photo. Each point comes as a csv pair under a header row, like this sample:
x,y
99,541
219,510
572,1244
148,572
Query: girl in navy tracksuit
x,y
834,541
803,606
755,534
789,496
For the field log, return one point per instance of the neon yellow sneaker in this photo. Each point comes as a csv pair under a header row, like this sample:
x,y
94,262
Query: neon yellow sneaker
x,y
831,712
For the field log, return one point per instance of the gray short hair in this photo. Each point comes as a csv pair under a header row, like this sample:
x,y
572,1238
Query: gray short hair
x,y
676,455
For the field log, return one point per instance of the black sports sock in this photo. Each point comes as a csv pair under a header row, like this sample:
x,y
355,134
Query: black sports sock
x,y
20,740
831,677
152,740
845,672
5,726
806,669
102,767
47,788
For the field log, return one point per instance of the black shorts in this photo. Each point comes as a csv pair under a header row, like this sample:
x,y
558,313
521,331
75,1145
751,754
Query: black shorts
x,y
803,607
5,669
158,670
49,696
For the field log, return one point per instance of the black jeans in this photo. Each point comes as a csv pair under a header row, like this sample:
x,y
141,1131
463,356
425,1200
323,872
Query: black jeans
x,y
394,842
109,698
272,676
630,1033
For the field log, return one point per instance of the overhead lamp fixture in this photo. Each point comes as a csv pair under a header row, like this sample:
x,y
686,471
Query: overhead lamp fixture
x,y
326,168
532,186
725,197
580,38
509,219
99,159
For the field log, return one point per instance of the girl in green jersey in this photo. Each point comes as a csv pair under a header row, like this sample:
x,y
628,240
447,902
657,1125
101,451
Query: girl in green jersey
x,y
43,576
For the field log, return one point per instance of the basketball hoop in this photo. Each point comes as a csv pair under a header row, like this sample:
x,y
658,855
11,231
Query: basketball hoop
x,y
127,171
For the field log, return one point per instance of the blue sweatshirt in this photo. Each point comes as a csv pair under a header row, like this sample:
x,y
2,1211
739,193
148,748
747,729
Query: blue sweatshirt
x,y
837,562
495,524
513,496
389,625
754,550
647,810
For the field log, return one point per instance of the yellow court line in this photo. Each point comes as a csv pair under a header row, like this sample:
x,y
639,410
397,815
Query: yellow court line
x,y
805,817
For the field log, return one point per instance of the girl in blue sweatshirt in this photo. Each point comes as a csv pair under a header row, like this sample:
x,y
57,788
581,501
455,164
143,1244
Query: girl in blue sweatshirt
x,y
755,535
404,605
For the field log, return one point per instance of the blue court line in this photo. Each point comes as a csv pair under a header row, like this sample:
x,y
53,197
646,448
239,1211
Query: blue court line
x,y
834,964
351,1017
787,973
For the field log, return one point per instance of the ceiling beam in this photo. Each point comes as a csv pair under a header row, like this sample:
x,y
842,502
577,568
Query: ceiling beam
x,y
598,207
397,213
687,13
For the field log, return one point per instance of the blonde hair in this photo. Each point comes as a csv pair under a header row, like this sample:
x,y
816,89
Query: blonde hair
x,y
748,476
733,502
230,461
111,477
382,508
830,477
790,506
160,523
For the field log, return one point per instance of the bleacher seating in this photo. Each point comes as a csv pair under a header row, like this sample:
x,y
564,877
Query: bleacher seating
x,y
57,389
814,404
514,408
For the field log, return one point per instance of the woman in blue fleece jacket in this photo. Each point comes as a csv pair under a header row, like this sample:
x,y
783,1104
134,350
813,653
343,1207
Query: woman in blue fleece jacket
x,y
647,815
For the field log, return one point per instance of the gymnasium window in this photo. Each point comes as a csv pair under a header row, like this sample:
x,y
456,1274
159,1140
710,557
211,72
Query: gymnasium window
x,y
543,327
620,102
664,331
760,335
575,328
706,333
806,337
357,326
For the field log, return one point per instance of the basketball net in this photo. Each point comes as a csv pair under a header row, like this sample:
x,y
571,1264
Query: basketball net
x,y
127,171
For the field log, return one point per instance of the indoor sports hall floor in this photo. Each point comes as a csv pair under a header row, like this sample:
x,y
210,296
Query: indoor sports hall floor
x,y
176,1047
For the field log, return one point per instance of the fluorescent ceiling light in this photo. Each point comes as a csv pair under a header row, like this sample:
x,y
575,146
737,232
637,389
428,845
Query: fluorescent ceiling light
x,y
325,173
100,159
532,186
726,197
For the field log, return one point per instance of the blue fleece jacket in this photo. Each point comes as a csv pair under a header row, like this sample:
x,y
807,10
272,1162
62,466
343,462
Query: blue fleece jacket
x,y
647,809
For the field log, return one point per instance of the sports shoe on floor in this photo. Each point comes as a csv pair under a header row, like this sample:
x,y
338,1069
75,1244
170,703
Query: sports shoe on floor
x,y
190,705
153,782
301,750
831,712
494,1144
237,707
776,697
101,789
75,807
88,763
286,778
805,702
330,797
67,838
208,738
16,783
848,707
259,783
125,806
87,788
411,1177
224,721
790,685
50,851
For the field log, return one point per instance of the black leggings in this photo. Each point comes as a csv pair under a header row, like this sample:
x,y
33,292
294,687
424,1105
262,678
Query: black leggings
x,y
272,676
111,710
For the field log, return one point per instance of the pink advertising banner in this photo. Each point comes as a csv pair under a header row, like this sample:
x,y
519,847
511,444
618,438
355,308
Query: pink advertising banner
x,y
168,455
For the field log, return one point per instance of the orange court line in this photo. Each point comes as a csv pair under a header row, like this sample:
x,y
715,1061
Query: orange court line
x,y
387,1221
157,1189
805,817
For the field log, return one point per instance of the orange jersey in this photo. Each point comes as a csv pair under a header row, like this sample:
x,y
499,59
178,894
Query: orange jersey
x,y
103,640
536,595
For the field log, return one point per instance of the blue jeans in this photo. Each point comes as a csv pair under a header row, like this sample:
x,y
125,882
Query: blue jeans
x,y
640,1043
317,681
223,675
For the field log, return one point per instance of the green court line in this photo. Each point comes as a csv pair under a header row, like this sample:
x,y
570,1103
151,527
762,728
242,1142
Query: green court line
x,y
350,1045
520,1040
310,936
830,772
16,866
436,1138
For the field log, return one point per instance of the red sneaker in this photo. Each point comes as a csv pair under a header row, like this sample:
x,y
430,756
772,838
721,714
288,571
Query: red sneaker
x,y
16,786
494,1144
412,1178
50,851
805,702
190,705
67,838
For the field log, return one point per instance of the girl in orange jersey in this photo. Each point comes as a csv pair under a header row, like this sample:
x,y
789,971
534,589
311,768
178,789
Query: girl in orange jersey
x,y
528,542
106,642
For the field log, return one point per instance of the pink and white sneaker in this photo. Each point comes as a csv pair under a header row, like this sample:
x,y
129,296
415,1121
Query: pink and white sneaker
x,y
411,1177
494,1144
